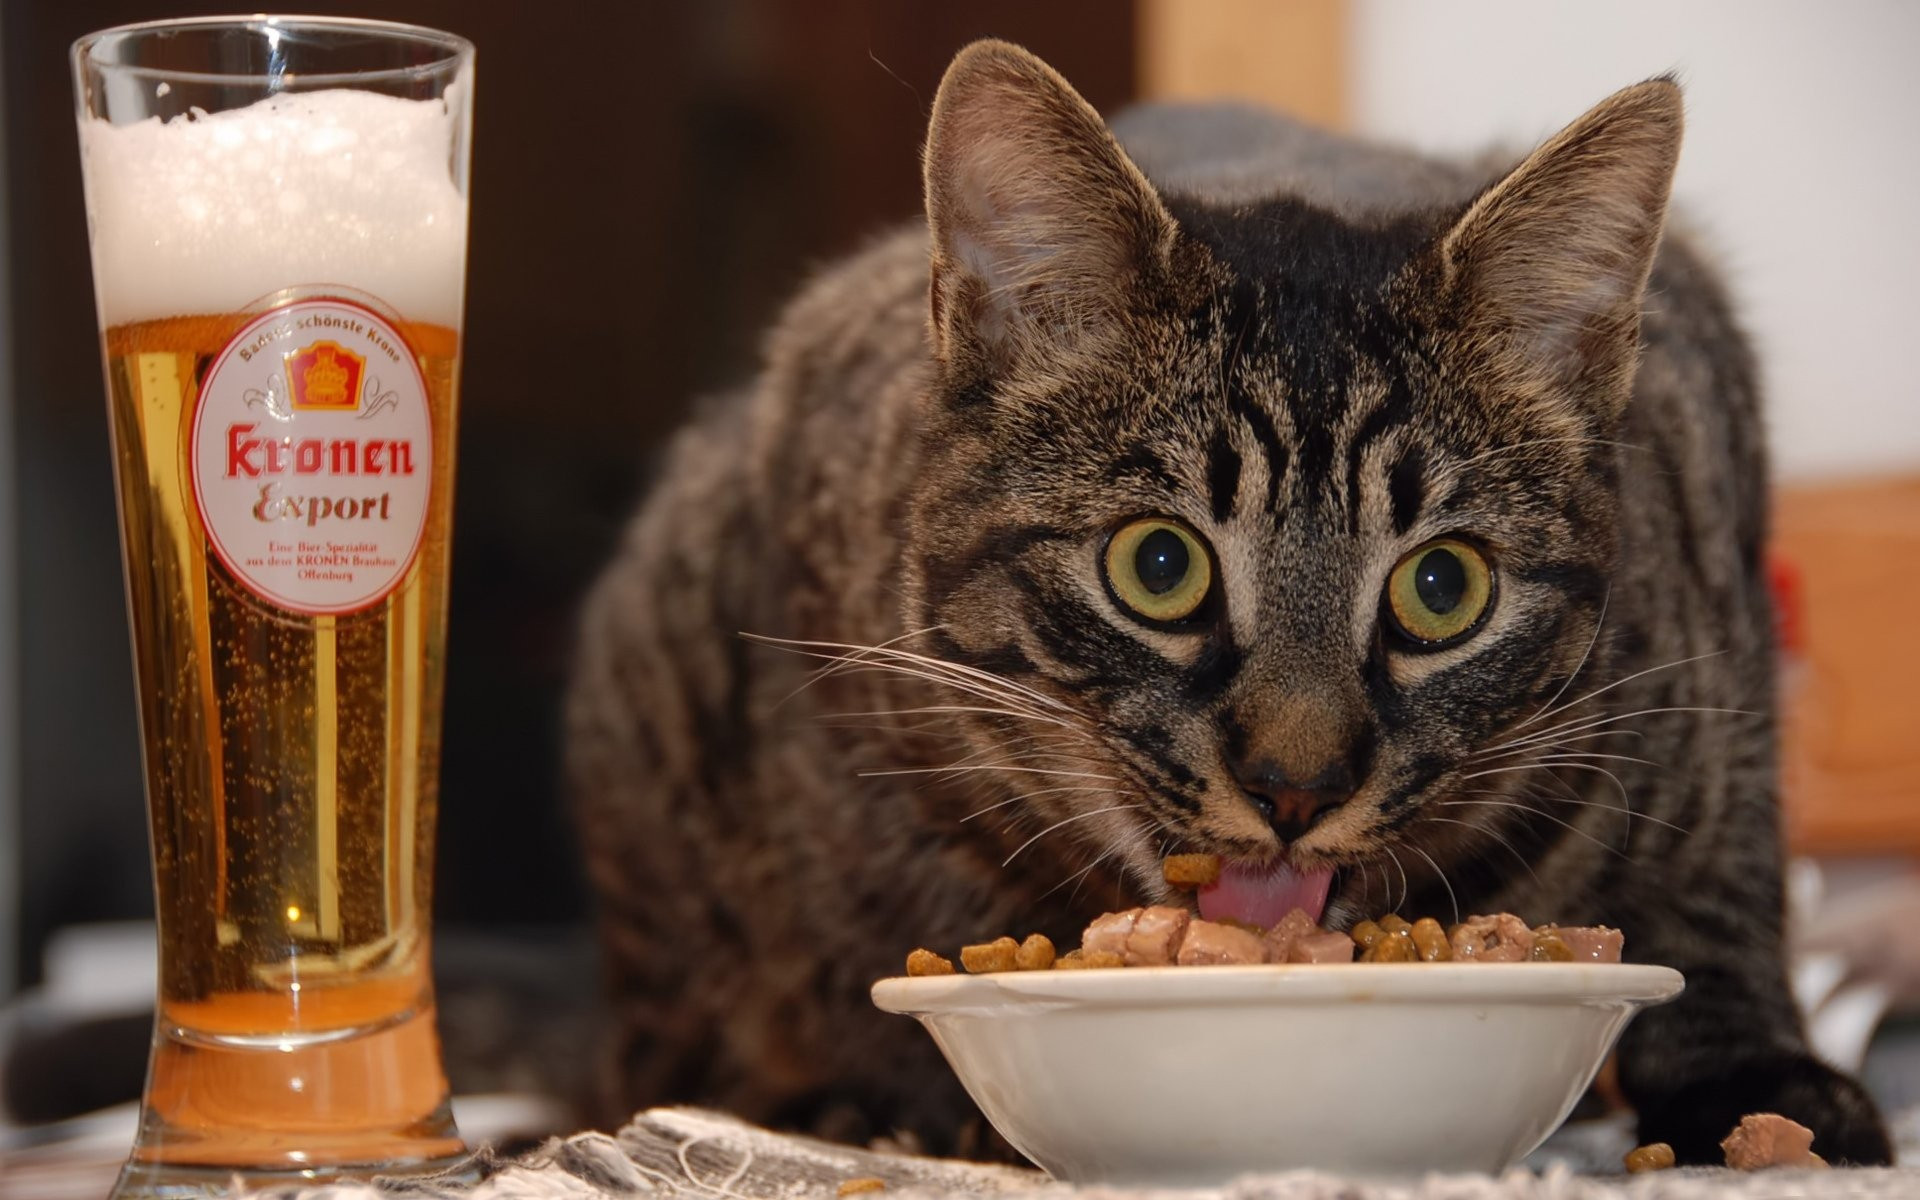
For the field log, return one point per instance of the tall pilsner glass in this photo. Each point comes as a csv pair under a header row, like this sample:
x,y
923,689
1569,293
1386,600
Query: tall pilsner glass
x,y
278,212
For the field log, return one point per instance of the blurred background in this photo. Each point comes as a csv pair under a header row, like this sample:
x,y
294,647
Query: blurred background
x,y
652,181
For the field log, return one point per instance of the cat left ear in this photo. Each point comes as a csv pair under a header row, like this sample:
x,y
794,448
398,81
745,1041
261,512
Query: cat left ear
x,y
1042,228
1550,265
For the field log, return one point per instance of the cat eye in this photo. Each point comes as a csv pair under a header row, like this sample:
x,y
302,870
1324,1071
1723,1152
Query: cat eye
x,y
1438,594
1159,569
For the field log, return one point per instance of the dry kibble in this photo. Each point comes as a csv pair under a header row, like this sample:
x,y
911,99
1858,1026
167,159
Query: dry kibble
x,y
1394,947
1656,1157
1191,871
1431,941
984,959
1034,954
926,962
1366,933
853,1187
1395,923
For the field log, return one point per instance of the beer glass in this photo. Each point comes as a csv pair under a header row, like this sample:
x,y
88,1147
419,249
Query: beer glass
x,y
278,215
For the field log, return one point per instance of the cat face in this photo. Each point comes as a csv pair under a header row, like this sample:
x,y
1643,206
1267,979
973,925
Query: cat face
x,y
1282,527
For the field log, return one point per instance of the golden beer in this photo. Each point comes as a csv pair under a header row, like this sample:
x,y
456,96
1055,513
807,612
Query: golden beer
x,y
277,211
292,767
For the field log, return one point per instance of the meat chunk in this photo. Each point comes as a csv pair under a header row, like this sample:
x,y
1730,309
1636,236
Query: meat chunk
x,y
1592,943
1209,943
1502,937
1769,1140
1155,940
1290,928
1109,932
1321,947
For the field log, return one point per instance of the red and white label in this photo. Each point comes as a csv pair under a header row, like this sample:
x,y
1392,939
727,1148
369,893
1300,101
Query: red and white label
x,y
312,457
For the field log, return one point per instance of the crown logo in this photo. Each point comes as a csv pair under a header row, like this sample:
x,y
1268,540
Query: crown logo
x,y
325,376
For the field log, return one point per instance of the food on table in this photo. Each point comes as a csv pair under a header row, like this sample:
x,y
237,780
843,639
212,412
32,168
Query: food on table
x,y
1190,871
1656,1157
1769,1140
866,1183
1034,954
1164,935
926,962
997,955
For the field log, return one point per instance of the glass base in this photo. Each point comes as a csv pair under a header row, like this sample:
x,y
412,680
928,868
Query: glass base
x,y
168,1181
228,1108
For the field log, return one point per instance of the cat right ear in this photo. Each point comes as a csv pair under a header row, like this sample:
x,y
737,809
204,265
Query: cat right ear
x,y
1042,227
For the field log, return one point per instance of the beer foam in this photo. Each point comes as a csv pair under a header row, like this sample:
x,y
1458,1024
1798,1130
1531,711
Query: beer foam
x,y
207,213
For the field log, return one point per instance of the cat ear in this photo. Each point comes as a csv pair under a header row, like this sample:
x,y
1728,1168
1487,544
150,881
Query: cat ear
x,y
1550,264
1042,228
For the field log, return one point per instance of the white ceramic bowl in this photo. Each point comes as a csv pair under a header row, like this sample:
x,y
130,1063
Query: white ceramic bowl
x,y
1193,1075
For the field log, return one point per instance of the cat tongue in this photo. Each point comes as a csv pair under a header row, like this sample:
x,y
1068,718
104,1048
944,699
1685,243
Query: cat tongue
x,y
1261,895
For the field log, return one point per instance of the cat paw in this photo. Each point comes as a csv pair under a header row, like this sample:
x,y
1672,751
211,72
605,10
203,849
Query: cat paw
x,y
1846,1124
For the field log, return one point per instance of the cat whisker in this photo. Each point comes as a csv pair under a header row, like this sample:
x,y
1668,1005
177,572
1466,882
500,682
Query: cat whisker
x,y
1540,812
1496,835
1065,822
1028,796
1626,679
956,770
1451,898
1551,754
1485,756
1598,624
888,656
954,708
1585,723
963,686
1078,877
1405,888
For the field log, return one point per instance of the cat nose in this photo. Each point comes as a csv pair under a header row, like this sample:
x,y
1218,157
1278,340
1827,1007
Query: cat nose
x,y
1290,805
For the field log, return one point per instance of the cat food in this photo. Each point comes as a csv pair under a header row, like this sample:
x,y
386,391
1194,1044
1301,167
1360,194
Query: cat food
x,y
1769,1140
998,955
1656,1157
1211,944
854,1187
1034,954
1430,940
1501,937
1162,935
1190,871
926,962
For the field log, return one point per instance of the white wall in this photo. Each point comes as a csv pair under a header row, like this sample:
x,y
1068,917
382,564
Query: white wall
x,y
1802,167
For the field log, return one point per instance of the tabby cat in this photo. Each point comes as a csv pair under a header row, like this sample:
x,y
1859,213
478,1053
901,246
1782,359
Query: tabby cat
x,y
1395,534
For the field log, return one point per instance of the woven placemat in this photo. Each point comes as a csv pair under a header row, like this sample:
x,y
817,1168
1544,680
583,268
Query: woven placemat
x,y
697,1155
